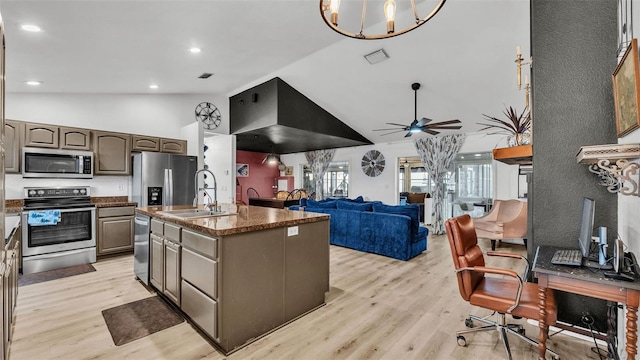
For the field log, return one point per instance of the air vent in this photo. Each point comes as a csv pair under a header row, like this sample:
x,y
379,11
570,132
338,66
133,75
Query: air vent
x,y
205,76
376,56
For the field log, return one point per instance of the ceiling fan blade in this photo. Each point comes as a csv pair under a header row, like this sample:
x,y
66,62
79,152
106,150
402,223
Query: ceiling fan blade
x,y
414,122
408,134
456,121
387,129
453,127
432,132
393,132
395,124
426,120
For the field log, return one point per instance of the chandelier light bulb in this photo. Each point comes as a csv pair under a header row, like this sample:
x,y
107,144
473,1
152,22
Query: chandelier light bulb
x,y
390,14
334,6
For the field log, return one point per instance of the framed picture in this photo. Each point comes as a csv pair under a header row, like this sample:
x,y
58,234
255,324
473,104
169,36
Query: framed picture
x,y
626,91
288,170
242,170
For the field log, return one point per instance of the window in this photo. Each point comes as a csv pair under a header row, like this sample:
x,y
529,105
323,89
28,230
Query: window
x,y
473,177
335,182
413,177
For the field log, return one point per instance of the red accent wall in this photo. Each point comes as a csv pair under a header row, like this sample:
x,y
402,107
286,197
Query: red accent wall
x,y
261,177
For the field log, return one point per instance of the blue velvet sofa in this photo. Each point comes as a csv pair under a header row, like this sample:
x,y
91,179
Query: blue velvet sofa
x,y
373,227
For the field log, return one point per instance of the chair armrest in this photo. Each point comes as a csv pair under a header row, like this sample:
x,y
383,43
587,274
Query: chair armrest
x,y
504,272
512,255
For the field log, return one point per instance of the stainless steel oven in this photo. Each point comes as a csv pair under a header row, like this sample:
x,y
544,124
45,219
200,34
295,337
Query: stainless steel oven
x,y
67,237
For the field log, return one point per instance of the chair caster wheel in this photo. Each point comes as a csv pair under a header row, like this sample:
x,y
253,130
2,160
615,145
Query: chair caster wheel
x,y
468,323
462,341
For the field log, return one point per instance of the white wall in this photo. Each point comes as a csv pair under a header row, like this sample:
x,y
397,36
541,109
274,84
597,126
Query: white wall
x,y
171,116
221,159
385,186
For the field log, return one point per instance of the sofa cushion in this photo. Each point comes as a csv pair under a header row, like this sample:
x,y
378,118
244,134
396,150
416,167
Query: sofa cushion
x,y
410,210
321,204
348,205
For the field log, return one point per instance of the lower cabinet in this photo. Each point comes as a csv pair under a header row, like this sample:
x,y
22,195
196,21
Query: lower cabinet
x,y
115,230
200,308
9,286
172,270
157,262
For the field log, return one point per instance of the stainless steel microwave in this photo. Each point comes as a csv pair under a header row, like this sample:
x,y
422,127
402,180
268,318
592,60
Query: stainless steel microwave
x,y
54,163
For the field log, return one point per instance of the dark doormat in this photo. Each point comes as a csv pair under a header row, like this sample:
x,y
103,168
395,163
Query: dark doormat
x,y
35,278
138,319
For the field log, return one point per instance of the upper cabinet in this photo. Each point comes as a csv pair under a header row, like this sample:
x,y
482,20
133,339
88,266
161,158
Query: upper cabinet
x,y
75,139
150,143
145,143
40,135
112,153
173,146
112,150
12,144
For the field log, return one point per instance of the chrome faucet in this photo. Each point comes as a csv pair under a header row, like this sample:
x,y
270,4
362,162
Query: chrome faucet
x,y
210,206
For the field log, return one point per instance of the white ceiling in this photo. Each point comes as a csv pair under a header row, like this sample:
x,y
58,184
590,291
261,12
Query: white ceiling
x,y
463,57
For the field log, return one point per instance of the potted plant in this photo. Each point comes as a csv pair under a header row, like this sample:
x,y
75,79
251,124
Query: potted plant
x,y
518,127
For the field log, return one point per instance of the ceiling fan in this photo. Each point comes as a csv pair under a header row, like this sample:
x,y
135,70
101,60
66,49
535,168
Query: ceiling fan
x,y
424,124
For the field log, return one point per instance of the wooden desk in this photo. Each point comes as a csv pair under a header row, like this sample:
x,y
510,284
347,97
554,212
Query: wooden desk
x,y
273,203
586,282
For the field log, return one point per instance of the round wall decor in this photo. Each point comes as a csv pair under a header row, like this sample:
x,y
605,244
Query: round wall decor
x,y
209,115
373,163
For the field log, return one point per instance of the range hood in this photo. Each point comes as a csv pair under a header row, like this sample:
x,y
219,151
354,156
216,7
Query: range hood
x,y
273,117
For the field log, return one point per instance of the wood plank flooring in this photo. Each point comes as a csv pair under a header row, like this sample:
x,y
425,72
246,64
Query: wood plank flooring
x,y
377,308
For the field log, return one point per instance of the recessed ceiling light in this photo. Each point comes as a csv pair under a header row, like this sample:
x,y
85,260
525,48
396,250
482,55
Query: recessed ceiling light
x,y
195,50
153,86
33,83
477,155
31,28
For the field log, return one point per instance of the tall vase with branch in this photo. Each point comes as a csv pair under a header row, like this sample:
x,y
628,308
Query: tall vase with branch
x,y
517,127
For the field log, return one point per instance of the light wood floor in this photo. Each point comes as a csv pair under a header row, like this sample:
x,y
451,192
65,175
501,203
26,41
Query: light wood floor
x,y
378,308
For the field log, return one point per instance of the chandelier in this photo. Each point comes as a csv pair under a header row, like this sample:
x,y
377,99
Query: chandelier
x,y
329,10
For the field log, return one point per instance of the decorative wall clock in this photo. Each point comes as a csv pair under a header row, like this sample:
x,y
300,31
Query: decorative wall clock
x,y
373,163
209,115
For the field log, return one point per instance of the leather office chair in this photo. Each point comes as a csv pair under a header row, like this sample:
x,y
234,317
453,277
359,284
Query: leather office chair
x,y
506,294
506,220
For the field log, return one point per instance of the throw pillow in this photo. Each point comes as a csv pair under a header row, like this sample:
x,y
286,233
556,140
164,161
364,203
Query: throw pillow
x,y
321,204
410,210
348,205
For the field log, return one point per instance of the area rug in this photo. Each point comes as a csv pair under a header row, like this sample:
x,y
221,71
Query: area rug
x,y
39,277
138,319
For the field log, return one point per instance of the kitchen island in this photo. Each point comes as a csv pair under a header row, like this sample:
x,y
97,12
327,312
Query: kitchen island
x,y
238,277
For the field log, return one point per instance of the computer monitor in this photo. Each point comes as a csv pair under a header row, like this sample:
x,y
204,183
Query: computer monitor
x,y
586,226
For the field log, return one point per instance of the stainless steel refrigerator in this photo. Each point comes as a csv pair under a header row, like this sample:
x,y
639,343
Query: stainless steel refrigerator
x,y
158,179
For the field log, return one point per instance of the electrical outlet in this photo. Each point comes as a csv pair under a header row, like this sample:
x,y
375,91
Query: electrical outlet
x,y
292,231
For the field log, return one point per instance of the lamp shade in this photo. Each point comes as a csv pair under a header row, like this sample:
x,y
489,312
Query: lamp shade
x,y
271,159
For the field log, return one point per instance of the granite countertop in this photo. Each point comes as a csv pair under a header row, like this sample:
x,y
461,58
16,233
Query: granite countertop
x,y
248,218
15,205
112,201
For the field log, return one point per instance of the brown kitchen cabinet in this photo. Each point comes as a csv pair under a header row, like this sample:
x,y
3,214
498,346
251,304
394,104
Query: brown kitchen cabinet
x,y
75,139
12,144
145,143
173,146
41,135
172,259
112,153
157,262
115,230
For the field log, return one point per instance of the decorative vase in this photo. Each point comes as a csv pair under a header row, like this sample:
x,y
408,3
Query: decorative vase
x,y
519,139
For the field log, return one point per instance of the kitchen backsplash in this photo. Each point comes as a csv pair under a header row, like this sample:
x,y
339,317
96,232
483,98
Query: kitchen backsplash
x,y
100,185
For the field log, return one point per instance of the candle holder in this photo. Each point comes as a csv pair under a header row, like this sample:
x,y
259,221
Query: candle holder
x,y
519,62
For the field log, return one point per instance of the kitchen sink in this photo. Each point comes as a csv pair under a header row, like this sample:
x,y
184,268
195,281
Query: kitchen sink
x,y
193,213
